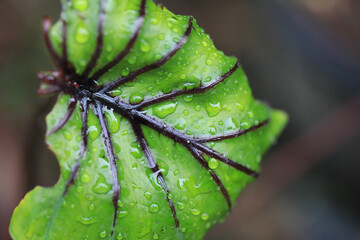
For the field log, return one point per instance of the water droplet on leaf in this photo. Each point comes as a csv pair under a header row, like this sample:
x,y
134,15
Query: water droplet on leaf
x,y
154,208
204,216
147,195
120,236
101,186
80,5
213,163
103,234
213,109
85,177
81,33
132,59
181,205
165,109
144,46
136,98
86,220
195,212
125,72
135,150
188,98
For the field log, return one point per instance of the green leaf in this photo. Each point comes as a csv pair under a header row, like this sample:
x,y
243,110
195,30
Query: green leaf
x,y
156,131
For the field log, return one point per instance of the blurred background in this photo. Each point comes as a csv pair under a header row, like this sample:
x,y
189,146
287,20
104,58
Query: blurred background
x,y
302,56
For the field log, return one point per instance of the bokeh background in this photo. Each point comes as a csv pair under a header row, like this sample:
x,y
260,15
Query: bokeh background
x,y
300,55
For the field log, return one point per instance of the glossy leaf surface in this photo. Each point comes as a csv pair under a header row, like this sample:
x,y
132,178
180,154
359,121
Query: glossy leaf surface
x,y
155,130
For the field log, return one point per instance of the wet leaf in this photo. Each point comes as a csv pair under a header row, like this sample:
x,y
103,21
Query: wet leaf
x,y
155,130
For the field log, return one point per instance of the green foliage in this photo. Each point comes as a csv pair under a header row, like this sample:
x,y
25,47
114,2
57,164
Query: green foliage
x,y
83,208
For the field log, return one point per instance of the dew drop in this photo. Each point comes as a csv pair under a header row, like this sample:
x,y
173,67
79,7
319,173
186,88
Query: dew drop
x,y
79,189
92,207
90,197
208,225
101,186
209,62
85,177
153,177
120,236
68,135
180,124
231,124
195,212
212,130
135,186
117,148
135,150
148,195
102,163
204,216
245,125
136,98
154,21
134,166
80,5
181,182
125,132
250,114
208,79
154,208
144,46
113,120
103,234
122,214
181,205
120,204
188,98
132,59
116,92
187,85
81,33
155,236
213,163
240,106
125,72
212,145
86,220
164,167
213,109
94,127
165,109
102,153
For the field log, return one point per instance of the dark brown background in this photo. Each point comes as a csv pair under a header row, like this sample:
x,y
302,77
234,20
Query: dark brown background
x,y
300,55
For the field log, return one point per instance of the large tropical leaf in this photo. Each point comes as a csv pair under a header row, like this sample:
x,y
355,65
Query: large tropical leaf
x,y
155,130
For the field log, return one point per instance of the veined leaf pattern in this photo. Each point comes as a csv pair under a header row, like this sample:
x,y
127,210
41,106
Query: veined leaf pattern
x,y
156,131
